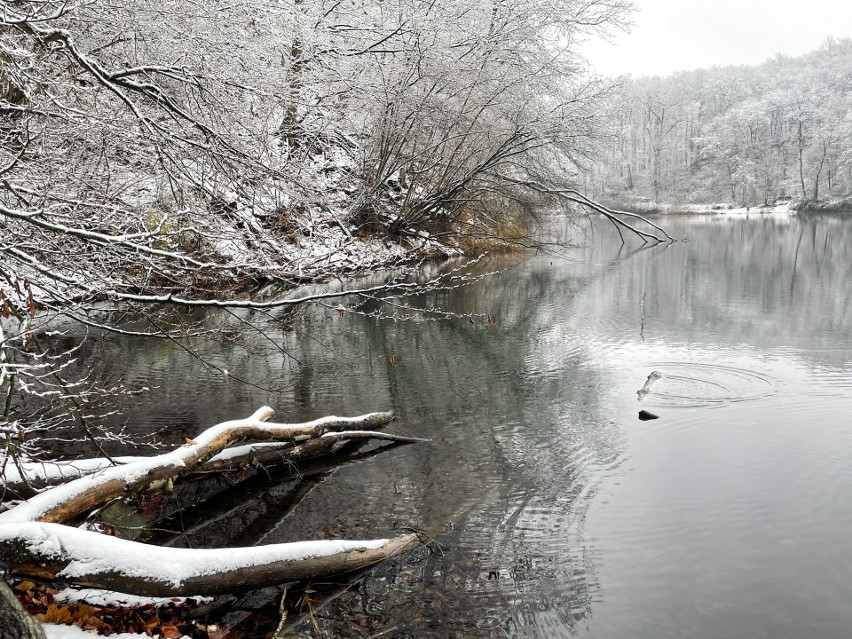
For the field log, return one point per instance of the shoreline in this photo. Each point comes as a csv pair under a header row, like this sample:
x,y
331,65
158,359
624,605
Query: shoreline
x,y
784,208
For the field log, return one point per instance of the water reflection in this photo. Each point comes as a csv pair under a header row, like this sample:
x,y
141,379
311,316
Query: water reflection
x,y
558,512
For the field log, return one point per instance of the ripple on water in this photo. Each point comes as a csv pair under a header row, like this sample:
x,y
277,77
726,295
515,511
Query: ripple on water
x,y
829,380
702,385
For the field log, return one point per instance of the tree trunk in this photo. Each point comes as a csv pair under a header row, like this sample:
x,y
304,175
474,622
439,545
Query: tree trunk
x,y
801,142
35,544
61,553
15,622
64,503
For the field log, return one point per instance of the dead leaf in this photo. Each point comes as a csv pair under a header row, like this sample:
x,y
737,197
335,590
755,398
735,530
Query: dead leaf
x,y
151,625
191,442
170,631
25,585
82,613
391,360
56,614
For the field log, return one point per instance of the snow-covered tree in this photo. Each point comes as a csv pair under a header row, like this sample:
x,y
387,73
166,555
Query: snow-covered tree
x,y
748,135
184,154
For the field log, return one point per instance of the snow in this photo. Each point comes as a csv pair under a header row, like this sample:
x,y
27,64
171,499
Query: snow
x,y
51,471
100,597
724,209
171,566
53,631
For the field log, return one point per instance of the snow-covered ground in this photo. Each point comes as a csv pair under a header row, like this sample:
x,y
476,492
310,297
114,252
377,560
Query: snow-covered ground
x,y
54,631
723,209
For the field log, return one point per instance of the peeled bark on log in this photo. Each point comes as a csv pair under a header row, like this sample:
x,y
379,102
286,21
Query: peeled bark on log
x,y
61,553
64,503
264,454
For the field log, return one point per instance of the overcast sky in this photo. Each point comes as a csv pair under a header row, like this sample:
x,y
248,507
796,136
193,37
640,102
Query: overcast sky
x,y
674,35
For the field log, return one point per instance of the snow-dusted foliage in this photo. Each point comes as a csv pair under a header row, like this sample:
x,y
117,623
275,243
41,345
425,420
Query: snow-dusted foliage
x,y
740,135
191,152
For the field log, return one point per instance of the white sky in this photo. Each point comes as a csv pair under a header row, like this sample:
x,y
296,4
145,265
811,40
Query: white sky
x,y
674,35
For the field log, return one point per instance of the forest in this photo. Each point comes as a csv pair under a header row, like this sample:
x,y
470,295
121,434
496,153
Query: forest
x,y
744,135
164,162
159,161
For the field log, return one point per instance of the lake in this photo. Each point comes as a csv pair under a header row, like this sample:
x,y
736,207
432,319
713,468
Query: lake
x,y
556,511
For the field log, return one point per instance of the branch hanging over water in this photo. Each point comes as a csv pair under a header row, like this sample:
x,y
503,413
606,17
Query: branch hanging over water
x,y
612,215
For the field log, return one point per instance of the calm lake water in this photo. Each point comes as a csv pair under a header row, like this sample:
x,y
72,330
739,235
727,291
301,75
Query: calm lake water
x,y
558,512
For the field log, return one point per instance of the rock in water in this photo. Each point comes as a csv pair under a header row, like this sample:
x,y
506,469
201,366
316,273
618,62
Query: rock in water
x,y
645,415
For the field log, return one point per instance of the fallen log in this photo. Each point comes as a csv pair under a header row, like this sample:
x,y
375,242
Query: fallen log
x,y
38,475
64,503
36,544
58,553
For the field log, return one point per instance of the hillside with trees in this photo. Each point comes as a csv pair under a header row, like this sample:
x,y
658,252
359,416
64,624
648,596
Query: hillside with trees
x,y
160,160
176,155
746,136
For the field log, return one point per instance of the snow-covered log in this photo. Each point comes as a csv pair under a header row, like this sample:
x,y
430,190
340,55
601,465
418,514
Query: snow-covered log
x,y
27,478
56,552
35,544
64,503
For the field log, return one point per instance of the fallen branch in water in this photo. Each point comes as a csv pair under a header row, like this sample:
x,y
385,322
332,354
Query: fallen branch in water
x,y
54,552
65,502
643,392
40,475
36,544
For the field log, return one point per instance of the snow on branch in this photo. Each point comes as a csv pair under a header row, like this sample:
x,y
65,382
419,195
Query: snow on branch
x,y
36,542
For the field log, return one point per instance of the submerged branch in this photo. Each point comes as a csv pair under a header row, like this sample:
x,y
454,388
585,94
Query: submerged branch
x,y
66,502
35,544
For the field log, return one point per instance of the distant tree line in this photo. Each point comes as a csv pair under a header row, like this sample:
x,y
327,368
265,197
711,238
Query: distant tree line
x,y
746,135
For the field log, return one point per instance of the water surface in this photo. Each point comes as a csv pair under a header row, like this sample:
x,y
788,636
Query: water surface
x,y
558,512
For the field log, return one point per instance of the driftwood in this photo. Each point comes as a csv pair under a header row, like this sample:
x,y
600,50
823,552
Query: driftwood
x,y
643,392
35,543
65,502
54,552
40,475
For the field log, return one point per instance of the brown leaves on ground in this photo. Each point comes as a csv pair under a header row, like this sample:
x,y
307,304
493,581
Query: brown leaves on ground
x,y
170,621
255,618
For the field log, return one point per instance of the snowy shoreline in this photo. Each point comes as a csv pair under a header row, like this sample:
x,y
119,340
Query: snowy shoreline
x,y
725,209
782,208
